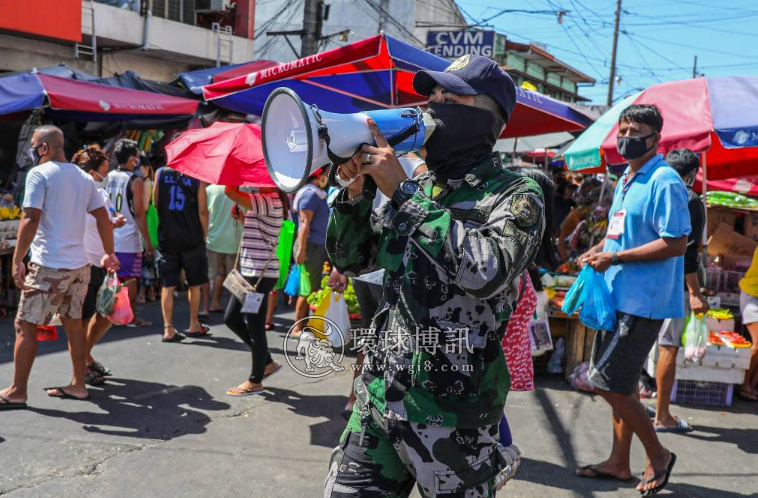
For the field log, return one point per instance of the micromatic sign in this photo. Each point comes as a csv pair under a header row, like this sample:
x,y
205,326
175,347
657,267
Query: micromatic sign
x,y
458,43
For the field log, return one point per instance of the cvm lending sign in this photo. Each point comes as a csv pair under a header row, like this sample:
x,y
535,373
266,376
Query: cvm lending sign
x,y
457,43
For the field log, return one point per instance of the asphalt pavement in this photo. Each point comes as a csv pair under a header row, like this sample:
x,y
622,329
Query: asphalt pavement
x,y
163,426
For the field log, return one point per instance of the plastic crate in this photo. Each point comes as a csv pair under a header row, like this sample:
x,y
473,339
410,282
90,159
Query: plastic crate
x,y
693,392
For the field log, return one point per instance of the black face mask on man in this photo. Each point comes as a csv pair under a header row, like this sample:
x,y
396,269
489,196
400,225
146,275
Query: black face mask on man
x,y
465,136
34,155
633,147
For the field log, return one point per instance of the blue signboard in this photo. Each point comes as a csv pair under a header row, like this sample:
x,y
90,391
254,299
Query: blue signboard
x,y
452,44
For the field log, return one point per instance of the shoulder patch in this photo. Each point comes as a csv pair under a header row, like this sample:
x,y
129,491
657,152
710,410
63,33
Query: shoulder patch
x,y
525,210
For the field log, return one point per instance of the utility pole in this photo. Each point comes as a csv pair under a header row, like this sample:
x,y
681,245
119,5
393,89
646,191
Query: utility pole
x,y
613,54
694,68
384,6
312,23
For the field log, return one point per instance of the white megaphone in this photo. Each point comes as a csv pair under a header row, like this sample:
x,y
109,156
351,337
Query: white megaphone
x,y
299,139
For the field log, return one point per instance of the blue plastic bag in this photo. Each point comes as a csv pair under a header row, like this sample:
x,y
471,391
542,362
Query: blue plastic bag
x,y
573,299
292,287
598,311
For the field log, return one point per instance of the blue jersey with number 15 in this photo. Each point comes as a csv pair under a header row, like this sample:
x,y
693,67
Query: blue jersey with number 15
x,y
179,227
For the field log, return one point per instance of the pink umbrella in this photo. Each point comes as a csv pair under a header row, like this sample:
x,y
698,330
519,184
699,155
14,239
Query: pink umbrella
x,y
222,154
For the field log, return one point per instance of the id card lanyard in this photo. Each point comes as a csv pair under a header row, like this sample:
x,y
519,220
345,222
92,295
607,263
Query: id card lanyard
x,y
617,221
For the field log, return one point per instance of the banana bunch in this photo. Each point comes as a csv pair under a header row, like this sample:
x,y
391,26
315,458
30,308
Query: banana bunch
x,y
10,213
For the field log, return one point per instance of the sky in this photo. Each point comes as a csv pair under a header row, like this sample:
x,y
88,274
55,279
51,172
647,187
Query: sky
x,y
658,39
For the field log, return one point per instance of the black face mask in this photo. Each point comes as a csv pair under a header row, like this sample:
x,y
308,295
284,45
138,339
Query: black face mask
x,y
464,137
633,147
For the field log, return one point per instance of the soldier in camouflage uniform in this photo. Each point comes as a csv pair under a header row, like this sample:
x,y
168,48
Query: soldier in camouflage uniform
x,y
453,243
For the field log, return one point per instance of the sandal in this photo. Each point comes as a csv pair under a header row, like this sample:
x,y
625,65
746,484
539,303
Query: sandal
x,y
681,427
177,337
139,322
269,326
100,368
239,392
747,396
204,329
203,316
64,394
598,474
94,378
6,404
665,473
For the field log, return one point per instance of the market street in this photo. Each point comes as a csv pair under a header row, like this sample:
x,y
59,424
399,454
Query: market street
x,y
162,426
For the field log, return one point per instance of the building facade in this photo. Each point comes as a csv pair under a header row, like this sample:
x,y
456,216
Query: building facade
x,y
156,38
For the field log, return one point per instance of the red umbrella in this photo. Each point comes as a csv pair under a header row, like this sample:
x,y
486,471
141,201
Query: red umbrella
x,y
747,185
222,154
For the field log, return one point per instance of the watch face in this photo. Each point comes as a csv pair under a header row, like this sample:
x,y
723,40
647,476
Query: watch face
x,y
410,188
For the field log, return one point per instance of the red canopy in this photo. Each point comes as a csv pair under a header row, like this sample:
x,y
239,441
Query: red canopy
x,y
66,95
222,154
244,69
746,186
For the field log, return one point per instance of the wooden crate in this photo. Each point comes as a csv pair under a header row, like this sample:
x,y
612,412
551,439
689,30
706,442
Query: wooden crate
x,y
578,345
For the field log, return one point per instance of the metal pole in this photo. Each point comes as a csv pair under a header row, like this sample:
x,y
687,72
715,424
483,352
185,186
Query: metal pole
x,y
705,203
613,53
694,68
513,156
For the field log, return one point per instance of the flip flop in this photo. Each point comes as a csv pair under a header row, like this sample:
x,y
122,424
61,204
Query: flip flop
x,y
100,368
94,378
269,326
598,474
665,473
239,393
219,310
11,405
203,316
204,330
681,427
64,394
271,374
650,411
139,322
746,396
178,337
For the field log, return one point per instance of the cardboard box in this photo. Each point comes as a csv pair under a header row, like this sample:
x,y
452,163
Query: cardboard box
x,y
717,216
724,240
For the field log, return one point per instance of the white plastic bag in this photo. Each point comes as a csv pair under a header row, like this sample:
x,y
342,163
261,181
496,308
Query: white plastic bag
x,y
338,314
696,339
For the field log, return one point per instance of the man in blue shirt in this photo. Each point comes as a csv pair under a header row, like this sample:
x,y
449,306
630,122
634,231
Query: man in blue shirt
x,y
641,256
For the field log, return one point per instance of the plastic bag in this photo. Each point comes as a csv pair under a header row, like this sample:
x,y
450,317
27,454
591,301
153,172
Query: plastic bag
x,y
696,340
573,299
284,252
122,313
151,216
106,295
47,333
304,289
334,308
598,311
293,282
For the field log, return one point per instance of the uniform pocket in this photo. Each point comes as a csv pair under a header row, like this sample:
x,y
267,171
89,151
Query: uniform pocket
x,y
453,368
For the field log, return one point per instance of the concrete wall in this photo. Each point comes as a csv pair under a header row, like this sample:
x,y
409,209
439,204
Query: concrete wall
x,y
437,12
356,15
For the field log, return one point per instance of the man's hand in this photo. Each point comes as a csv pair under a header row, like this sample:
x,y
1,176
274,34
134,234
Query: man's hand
x,y
337,282
698,304
149,249
600,261
585,258
300,256
19,274
380,162
119,221
110,262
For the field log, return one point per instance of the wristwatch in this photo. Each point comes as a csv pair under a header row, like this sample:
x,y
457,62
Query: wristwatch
x,y
615,258
404,192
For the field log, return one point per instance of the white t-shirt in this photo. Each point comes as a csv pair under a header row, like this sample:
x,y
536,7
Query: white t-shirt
x,y
93,245
65,194
126,239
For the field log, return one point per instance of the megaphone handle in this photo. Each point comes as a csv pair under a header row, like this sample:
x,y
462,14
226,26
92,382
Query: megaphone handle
x,y
369,188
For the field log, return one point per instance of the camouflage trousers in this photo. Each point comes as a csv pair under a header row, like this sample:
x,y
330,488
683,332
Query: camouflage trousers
x,y
386,461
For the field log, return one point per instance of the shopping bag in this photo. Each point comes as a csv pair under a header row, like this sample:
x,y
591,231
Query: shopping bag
x,y
292,286
284,251
696,338
573,299
122,309
151,215
598,311
334,308
304,287
106,295
47,332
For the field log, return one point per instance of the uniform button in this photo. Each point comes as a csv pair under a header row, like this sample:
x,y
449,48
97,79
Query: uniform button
x,y
403,227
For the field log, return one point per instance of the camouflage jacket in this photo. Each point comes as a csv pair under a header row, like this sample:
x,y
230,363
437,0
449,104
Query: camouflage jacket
x,y
452,261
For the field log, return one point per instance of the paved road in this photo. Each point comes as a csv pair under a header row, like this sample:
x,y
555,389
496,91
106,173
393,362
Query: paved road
x,y
163,427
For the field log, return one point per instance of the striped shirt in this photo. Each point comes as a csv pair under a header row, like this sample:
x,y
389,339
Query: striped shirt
x,y
259,240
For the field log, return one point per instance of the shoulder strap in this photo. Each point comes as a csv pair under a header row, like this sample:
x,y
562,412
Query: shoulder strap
x,y
129,195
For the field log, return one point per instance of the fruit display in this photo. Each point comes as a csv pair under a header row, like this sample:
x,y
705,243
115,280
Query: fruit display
x,y
731,339
350,298
9,222
730,199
